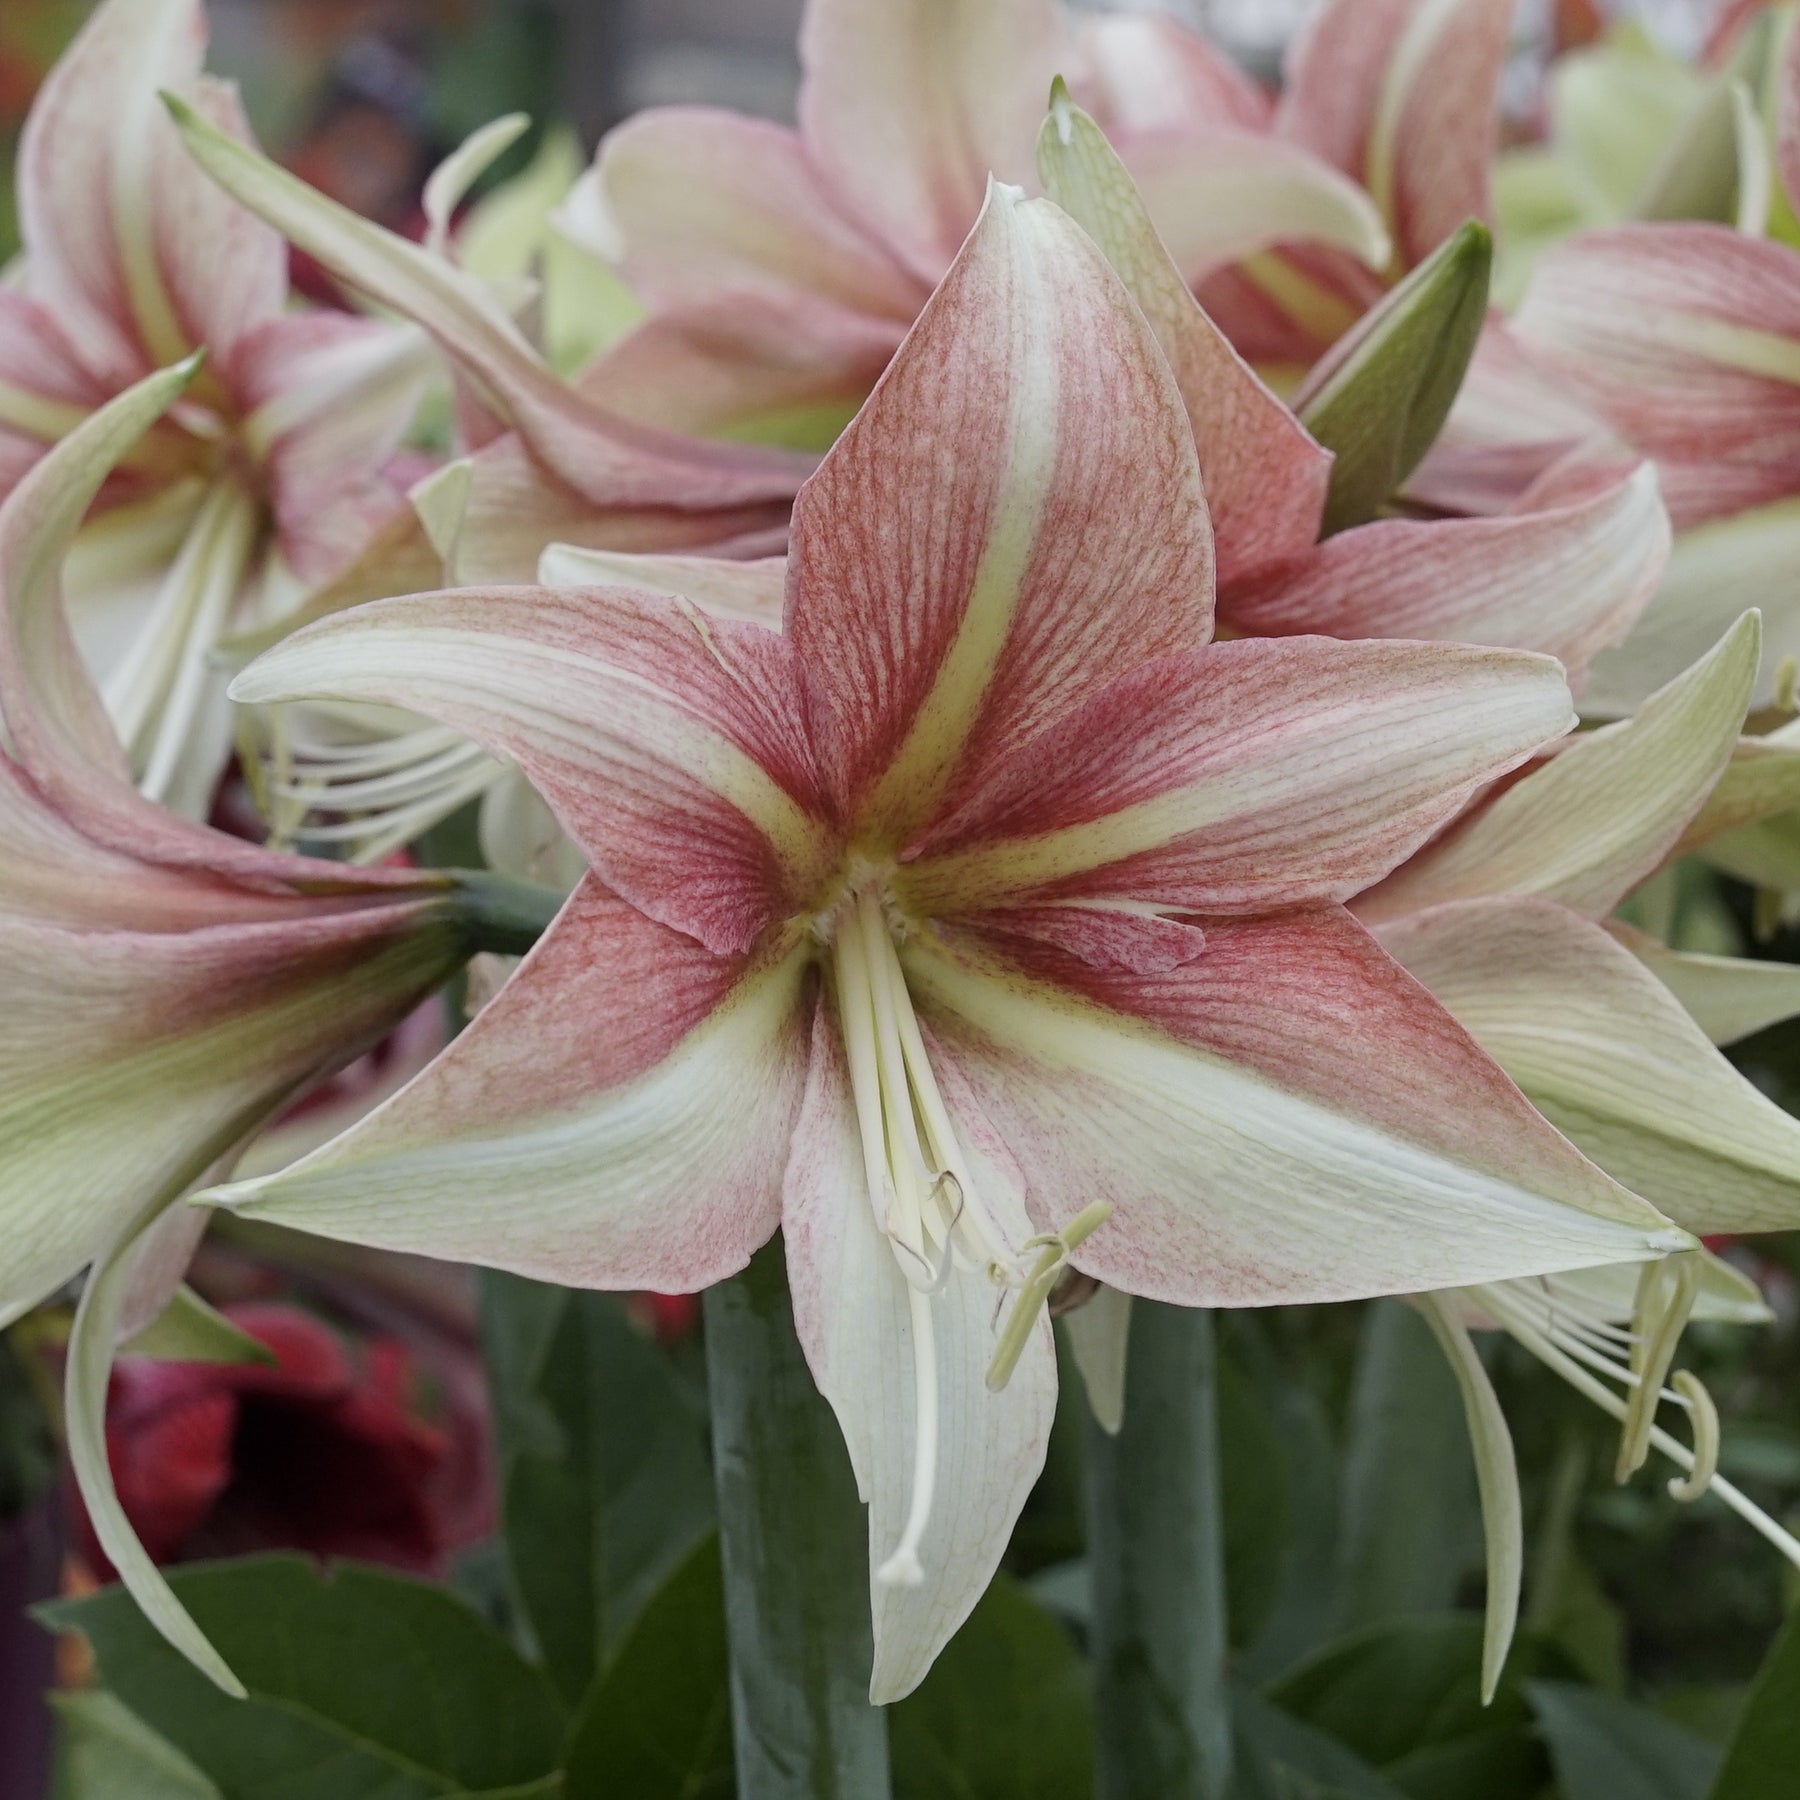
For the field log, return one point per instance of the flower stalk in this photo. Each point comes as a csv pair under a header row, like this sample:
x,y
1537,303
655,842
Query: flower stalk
x,y
1157,1548
795,1550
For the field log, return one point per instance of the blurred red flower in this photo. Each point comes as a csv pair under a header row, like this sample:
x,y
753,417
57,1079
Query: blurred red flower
x,y
341,1448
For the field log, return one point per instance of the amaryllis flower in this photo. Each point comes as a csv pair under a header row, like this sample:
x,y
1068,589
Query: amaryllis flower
x,y
783,267
171,987
333,1446
270,475
984,921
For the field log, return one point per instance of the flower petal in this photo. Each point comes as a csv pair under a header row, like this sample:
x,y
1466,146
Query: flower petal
x,y
1728,997
1715,570
1404,96
1684,337
134,1059
141,258
702,202
857,1318
610,461
667,741
91,1348
1289,1117
1146,72
753,591
617,1117
1247,776
1013,518
1568,580
1265,478
1099,1333
748,366
1599,816
1787,122
1497,1475
515,508
1607,1054
908,107
327,398
1219,195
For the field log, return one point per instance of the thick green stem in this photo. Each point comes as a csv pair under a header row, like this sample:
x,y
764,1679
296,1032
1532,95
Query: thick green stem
x,y
1156,1546
794,1539
503,913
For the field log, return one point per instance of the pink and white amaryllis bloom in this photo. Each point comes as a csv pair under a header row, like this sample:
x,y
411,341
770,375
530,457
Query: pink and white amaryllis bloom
x,y
783,267
983,922
169,988
270,474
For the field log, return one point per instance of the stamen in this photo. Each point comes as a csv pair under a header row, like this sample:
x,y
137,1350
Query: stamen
x,y
1054,1250
903,1568
1689,1387
1665,1298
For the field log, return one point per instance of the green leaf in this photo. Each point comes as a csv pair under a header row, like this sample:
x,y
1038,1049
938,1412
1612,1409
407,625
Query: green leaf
x,y
1274,1748
1409,1523
1005,1714
605,1483
1405,1696
1764,1751
106,1752
363,1685
657,1725
1382,393
1605,1748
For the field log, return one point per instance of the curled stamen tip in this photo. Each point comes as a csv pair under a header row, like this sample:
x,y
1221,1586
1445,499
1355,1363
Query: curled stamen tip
x,y
902,1569
1689,1487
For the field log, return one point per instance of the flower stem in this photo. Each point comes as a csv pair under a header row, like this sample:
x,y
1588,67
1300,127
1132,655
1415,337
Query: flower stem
x,y
795,1545
1156,1546
504,913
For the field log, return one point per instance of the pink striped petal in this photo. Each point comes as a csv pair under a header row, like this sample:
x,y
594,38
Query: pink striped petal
x,y
1404,96
752,366
517,508
1570,580
617,1117
1147,72
1265,478
908,107
610,461
1512,422
141,257
1219,194
705,202
669,744
855,1315
134,1059
1256,774
327,399
1014,518
1686,338
45,390
1289,1117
